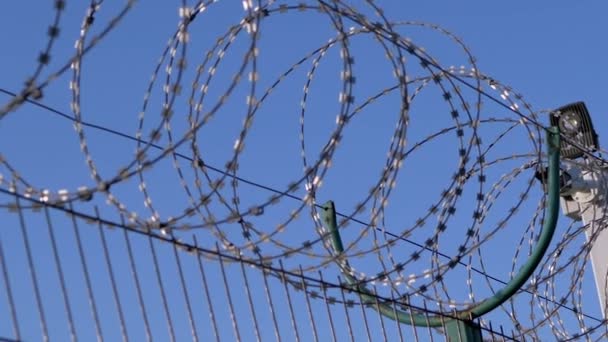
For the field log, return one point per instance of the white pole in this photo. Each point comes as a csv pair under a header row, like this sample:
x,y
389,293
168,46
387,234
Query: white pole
x,y
594,217
585,197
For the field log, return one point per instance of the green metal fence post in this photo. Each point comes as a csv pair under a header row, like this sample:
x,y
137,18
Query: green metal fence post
x,y
463,331
461,327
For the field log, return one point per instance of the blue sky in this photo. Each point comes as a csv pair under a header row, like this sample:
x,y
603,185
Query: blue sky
x,y
551,52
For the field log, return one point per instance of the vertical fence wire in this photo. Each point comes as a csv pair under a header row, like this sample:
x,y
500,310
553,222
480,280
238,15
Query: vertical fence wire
x,y
59,269
428,323
328,310
206,291
398,325
161,288
32,272
362,306
271,307
250,303
106,253
309,308
289,303
182,282
9,294
346,311
233,317
381,319
135,276
491,331
87,278
444,327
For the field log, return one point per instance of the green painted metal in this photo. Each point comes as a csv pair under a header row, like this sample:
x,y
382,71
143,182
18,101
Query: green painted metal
x,y
463,330
545,236
465,317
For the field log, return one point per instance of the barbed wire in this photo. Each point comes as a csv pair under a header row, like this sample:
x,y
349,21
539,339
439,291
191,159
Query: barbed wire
x,y
396,237
490,189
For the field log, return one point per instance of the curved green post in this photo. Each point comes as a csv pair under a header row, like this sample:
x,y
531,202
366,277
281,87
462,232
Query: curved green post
x,y
328,215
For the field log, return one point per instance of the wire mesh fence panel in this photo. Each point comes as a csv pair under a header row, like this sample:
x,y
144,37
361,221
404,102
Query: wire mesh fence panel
x,y
100,282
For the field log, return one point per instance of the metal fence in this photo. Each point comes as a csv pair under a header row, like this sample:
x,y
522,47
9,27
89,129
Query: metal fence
x,y
73,268
80,277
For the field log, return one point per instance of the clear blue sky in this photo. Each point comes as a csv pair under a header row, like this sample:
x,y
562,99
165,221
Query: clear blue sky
x,y
551,52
